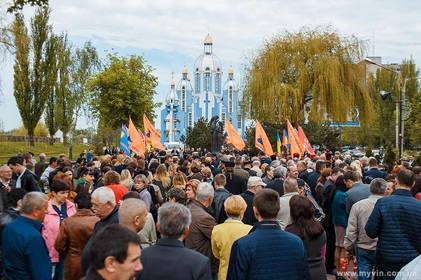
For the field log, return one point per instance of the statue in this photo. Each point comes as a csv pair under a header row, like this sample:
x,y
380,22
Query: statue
x,y
217,134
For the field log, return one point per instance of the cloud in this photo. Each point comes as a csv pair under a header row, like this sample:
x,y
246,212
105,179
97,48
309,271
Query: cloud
x,y
170,33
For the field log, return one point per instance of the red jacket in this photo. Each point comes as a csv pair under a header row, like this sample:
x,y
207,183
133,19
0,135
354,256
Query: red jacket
x,y
119,192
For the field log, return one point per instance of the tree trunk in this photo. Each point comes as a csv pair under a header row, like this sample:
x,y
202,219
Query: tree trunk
x,y
51,140
31,138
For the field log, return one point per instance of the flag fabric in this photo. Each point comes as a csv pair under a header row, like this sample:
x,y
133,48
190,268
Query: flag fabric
x,y
124,140
137,143
153,137
285,139
304,141
278,143
233,137
262,141
296,147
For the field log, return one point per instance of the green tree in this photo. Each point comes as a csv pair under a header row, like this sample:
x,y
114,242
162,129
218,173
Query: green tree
x,y
125,87
19,4
85,63
30,68
313,68
199,136
65,98
51,85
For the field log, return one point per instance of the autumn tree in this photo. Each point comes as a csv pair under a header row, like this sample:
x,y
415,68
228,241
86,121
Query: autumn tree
x,y
30,68
317,69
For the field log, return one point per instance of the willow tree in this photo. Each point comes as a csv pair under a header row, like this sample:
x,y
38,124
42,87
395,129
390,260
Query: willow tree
x,y
30,68
313,69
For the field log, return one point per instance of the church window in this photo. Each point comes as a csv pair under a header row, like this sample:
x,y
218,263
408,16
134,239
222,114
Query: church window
x,y
183,99
197,82
218,82
207,80
239,121
230,100
190,119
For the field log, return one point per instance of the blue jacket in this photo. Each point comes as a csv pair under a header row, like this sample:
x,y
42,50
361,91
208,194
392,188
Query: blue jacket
x,y
25,255
396,221
268,252
357,192
339,215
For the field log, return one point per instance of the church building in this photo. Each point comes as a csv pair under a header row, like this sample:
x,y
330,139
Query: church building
x,y
207,96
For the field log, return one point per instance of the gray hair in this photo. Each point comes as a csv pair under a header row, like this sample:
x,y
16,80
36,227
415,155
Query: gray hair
x,y
104,195
204,191
378,186
290,185
32,201
256,163
275,163
173,219
280,172
129,209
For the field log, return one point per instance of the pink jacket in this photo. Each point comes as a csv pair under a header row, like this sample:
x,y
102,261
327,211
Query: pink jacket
x,y
51,226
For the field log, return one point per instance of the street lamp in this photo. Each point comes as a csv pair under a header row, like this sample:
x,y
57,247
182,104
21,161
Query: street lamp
x,y
399,104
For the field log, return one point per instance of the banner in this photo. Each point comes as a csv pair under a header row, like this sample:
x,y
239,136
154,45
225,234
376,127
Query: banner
x,y
137,142
304,141
295,144
233,136
262,141
153,137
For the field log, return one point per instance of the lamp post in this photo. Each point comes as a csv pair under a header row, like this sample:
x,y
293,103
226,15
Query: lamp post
x,y
400,123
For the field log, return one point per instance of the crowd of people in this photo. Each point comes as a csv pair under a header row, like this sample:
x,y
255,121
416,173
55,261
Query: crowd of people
x,y
197,215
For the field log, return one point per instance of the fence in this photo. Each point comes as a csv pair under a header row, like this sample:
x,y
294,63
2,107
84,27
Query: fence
x,y
14,138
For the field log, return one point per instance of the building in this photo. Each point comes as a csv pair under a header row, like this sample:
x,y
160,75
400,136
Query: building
x,y
208,96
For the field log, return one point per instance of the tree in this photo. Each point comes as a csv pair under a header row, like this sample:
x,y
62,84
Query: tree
x,y
314,68
31,68
85,63
199,136
65,99
19,4
125,87
51,86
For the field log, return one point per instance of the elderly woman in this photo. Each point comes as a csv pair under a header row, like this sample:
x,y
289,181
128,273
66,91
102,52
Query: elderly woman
x,y
191,189
224,235
141,187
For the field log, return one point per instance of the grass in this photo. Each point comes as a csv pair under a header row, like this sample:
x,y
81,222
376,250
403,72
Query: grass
x,y
8,149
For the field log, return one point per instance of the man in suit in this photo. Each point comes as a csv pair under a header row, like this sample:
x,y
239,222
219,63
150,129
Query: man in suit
x,y
357,190
26,179
235,183
169,259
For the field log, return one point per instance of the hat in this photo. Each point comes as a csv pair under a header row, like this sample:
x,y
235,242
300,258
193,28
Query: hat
x,y
255,181
227,162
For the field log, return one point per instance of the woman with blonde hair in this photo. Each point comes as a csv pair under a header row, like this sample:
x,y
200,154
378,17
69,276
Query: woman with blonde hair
x,y
162,179
126,179
178,181
225,234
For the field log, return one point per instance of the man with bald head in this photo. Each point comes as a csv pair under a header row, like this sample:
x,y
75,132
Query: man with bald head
x,y
6,184
132,214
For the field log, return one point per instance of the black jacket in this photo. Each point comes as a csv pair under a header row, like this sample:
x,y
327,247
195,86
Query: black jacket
x,y
249,217
276,184
235,184
169,259
29,181
112,218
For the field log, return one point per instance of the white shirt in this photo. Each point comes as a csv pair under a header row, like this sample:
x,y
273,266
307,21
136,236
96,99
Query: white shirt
x,y
19,181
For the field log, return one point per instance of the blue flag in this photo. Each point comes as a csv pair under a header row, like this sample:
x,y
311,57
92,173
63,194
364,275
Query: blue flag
x,y
124,141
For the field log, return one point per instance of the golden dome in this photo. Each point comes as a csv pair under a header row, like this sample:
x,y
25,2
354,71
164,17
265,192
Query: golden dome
x,y
208,40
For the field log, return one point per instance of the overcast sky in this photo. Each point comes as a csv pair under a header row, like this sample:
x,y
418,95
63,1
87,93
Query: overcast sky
x,y
169,34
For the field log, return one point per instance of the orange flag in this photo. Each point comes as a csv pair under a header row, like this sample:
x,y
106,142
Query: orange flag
x,y
294,141
233,137
304,141
262,141
153,137
137,143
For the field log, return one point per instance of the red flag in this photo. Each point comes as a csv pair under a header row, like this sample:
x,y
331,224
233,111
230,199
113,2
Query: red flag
x,y
304,141
262,141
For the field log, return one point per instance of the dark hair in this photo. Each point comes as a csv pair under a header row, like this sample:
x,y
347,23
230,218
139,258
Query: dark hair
x,y
406,177
102,247
372,162
336,170
59,186
52,160
178,194
14,196
267,203
131,194
15,160
417,186
417,170
83,200
339,185
302,216
351,175
320,164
